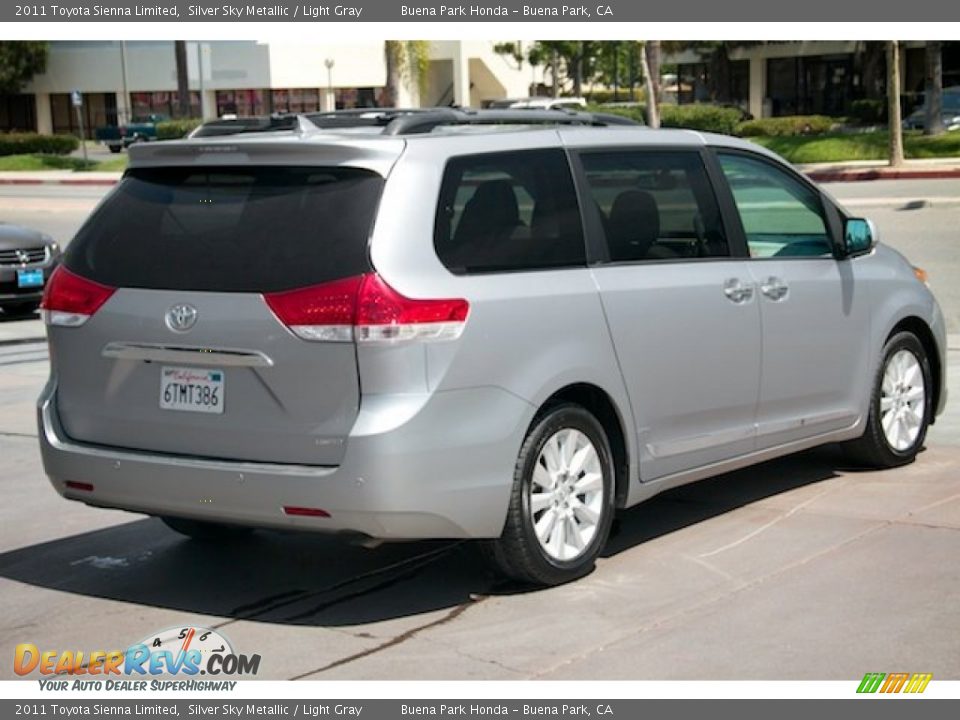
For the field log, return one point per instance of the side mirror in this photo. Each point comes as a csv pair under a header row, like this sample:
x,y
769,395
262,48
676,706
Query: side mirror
x,y
859,237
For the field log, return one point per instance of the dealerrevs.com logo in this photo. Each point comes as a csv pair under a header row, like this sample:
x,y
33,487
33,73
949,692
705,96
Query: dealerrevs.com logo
x,y
178,651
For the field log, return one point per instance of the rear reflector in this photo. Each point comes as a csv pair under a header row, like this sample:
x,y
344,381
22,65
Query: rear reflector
x,y
305,511
72,485
364,308
70,300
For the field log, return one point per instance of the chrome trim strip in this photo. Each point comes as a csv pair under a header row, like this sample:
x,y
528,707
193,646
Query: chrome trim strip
x,y
187,354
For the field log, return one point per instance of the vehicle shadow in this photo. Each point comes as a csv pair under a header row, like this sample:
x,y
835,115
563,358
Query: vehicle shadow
x,y
305,579
6,316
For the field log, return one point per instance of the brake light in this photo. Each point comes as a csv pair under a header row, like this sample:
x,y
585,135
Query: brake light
x,y
70,300
364,308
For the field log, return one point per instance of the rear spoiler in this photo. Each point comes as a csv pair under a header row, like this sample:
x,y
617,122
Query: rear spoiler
x,y
301,149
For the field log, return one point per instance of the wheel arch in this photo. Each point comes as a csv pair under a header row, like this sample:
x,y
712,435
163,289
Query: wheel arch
x,y
602,406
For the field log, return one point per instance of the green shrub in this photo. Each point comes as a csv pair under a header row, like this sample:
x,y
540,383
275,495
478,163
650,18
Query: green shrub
x,y
606,96
27,143
788,126
634,112
869,112
707,118
173,129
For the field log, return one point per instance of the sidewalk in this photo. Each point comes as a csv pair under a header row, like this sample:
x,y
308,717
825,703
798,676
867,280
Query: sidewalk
x,y
851,171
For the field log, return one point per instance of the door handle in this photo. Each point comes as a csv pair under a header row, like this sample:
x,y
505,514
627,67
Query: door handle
x,y
737,290
774,288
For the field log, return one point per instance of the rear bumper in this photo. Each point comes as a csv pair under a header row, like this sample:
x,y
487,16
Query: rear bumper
x,y
433,466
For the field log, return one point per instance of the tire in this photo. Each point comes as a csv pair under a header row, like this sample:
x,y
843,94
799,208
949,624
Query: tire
x,y
902,385
574,512
206,531
115,148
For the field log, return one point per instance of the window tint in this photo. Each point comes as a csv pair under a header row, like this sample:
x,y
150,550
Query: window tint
x,y
245,229
508,211
655,205
781,215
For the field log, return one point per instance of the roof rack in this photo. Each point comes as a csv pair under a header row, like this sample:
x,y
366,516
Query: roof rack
x,y
406,121
236,126
424,122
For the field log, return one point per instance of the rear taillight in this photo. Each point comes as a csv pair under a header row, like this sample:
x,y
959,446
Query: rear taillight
x,y
364,308
70,300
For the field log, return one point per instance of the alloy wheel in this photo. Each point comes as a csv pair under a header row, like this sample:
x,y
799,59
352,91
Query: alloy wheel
x,y
902,400
567,494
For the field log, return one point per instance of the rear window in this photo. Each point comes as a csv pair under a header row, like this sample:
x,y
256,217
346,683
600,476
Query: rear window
x,y
509,211
261,229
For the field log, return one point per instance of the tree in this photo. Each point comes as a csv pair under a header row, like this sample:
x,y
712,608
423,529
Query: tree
x,y
933,89
571,62
19,62
869,58
651,78
408,62
183,80
893,103
617,66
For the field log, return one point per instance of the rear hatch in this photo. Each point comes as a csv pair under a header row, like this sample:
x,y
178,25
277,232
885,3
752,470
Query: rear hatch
x,y
185,356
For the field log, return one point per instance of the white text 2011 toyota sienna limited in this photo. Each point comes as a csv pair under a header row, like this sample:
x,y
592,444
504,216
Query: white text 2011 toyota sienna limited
x,y
453,324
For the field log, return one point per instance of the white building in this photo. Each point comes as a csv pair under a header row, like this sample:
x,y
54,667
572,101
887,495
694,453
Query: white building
x,y
120,80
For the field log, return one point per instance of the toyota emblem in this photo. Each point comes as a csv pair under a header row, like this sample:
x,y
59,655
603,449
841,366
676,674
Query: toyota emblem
x,y
182,317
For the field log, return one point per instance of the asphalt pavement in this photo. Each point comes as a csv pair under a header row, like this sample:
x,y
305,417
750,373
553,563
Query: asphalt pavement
x,y
800,568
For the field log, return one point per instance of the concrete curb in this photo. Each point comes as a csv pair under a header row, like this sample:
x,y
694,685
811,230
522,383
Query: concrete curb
x,y
851,175
12,342
57,181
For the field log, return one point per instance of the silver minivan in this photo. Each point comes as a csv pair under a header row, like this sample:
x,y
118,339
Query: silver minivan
x,y
499,325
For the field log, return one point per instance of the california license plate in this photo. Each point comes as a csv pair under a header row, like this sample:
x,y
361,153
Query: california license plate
x,y
29,278
191,390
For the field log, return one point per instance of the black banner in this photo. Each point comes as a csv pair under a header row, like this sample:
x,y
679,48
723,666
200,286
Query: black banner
x,y
482,709
503,11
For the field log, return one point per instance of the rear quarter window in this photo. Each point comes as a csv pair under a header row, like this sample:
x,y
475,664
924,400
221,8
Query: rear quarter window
x,y
243,229
502,212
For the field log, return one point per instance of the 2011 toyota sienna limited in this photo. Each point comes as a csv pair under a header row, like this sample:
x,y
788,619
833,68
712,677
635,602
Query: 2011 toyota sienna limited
x,y
456,324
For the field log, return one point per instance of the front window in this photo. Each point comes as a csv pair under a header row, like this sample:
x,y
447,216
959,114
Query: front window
x,y
781,216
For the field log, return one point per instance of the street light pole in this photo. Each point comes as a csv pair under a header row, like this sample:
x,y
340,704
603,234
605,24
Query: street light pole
x,y
330,96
